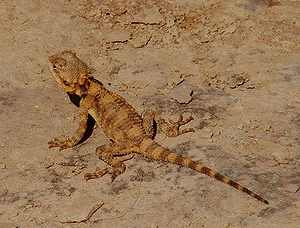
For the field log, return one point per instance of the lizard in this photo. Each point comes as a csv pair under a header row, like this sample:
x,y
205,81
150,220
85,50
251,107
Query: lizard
x,y
129,132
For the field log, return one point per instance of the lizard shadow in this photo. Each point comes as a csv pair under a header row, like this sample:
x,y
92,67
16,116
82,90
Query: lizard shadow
x,y
75,99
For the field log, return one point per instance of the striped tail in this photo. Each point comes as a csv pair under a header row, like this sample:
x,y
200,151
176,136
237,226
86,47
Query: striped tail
x,y
153,150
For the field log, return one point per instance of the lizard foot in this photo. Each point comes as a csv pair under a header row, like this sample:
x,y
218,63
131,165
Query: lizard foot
x,y
97,174
114,171
172,128
62,143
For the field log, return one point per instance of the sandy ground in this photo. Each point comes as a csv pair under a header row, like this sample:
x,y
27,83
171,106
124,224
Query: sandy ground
x,y
233,65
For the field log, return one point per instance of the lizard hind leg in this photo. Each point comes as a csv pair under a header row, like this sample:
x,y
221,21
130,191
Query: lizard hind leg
x,y
111,155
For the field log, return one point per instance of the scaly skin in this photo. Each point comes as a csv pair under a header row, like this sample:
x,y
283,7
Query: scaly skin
x,y
128,131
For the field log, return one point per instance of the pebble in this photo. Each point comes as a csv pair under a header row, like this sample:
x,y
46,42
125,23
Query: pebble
x,y
140,41
292,188
2,166
117,36
182,93
150,16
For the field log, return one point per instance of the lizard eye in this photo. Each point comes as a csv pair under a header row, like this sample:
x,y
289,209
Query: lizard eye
x,y
66,82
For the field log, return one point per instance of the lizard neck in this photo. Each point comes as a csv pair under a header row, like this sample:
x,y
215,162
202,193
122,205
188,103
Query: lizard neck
x,y
94,87
89,86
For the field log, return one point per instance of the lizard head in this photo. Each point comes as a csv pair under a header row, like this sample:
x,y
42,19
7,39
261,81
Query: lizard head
x,y
68,71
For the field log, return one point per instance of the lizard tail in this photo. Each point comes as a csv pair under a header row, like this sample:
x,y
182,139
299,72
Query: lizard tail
x,y
153,150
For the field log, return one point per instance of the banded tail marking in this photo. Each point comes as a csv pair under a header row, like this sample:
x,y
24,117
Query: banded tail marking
x,y
155,151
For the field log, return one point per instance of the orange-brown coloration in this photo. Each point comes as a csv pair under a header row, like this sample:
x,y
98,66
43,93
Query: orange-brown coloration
x,y
128,131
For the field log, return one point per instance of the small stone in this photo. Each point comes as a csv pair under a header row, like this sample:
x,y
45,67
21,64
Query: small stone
x,y
240,126
177,79
182,93
238,80
150,16
49,164
292,188
280,156
66,192
230,29
2,166
117,36
3,191
140,41
250,86
268,128
23,194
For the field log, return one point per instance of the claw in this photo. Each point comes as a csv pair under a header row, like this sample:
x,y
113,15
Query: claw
x,y
172,128
180,118
114,171
183,122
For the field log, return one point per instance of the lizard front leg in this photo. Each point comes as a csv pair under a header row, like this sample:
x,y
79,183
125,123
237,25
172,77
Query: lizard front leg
x,y
68,142
110,154
64,142
169,128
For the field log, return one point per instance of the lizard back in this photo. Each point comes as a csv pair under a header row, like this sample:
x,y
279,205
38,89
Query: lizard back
x,y
117,117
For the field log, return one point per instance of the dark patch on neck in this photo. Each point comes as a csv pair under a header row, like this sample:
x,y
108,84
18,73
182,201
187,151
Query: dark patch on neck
x,y
75,99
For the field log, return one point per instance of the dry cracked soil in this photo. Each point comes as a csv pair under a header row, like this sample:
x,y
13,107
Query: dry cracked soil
x,y
233,65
